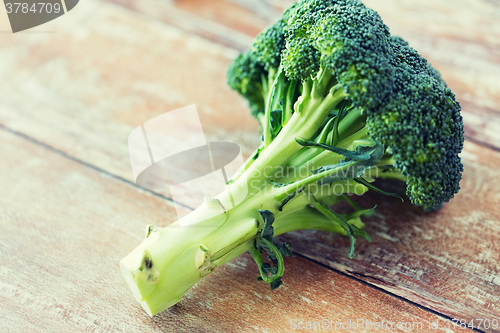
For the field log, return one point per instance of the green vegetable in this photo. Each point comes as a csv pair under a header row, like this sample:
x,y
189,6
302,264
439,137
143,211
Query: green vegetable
x,y
341,102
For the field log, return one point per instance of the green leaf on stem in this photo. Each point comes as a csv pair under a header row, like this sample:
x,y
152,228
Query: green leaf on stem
x,y
264,242
364,182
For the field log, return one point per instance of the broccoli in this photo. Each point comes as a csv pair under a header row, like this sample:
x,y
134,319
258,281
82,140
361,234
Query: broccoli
x,y
340,102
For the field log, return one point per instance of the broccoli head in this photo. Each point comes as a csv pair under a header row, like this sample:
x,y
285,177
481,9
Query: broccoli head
x,y
399,99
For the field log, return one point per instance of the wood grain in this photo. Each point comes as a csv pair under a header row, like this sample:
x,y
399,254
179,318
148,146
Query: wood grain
x,y
445,260
108,69
66,226
219,21
133,70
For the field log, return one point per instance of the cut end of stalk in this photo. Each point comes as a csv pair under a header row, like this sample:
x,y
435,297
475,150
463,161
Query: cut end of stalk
x,y
130,278
163,267
143,278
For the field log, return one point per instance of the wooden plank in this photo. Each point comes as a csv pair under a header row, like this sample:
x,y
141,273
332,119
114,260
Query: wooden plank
x,y
133,70
87,106
445,260
220,21
66,226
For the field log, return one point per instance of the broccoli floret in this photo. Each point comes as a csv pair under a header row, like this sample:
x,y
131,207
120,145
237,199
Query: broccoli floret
x,y
421,127
404,54
341,102
266,49
245,76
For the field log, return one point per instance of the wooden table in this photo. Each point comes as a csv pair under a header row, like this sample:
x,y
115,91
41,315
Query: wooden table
x,y
72,90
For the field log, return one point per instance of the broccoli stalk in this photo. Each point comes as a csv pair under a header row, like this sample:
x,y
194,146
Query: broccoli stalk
x,y
174,258
341,102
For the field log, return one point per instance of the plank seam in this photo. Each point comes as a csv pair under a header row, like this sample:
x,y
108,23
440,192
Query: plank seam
x,y
206,34
88,165
381,290
482,143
